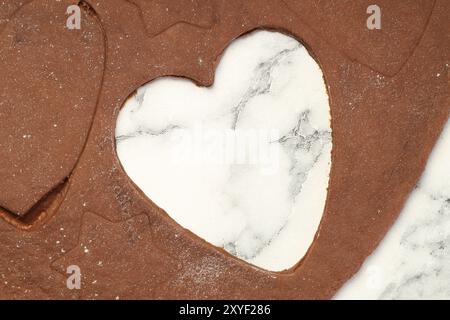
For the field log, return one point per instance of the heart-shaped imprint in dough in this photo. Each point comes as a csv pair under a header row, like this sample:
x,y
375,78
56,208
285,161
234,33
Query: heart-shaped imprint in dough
x,y
245,163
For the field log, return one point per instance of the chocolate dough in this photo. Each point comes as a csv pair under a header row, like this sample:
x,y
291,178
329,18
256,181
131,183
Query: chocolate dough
x,y
65,199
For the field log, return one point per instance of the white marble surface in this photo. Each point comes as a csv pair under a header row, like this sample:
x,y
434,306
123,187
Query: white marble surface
x,y
243,164
413,260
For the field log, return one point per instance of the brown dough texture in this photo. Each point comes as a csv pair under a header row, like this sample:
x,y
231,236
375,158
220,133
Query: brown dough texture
x,y
65,199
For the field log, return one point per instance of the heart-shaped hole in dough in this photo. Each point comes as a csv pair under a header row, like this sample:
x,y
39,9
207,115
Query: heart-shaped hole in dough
x,y
245,163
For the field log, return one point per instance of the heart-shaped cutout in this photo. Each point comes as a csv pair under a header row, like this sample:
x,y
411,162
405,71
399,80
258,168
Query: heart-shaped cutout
x,y
244,164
